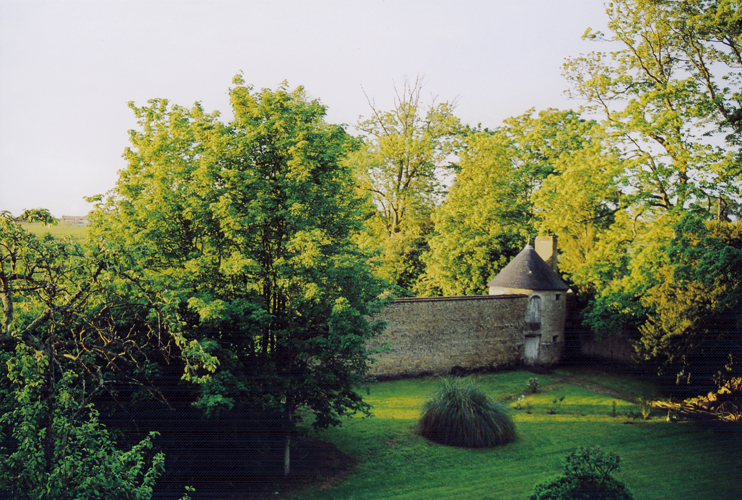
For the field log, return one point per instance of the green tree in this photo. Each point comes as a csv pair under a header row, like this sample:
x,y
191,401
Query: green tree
x,y
80,461
60,350
406,154
249,226
663,99
668,96
693,324
490,211
582,203
482,223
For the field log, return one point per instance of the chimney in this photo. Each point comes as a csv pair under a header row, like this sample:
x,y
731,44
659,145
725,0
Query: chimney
x,y
546,248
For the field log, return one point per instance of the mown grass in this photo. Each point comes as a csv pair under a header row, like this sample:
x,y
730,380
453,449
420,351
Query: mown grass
x,y
58,231
660,460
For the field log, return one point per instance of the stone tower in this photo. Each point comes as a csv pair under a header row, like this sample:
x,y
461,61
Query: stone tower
x,y
529,274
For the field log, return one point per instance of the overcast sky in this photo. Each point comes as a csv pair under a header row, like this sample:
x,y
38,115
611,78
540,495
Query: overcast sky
x,y
68,68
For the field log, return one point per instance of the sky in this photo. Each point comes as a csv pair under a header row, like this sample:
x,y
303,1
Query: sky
x,y
69,68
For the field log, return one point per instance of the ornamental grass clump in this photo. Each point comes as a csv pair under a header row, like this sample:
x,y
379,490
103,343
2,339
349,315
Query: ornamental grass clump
x,y
460,414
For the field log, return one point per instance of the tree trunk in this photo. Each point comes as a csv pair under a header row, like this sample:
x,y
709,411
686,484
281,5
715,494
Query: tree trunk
x,y
287,455
49,400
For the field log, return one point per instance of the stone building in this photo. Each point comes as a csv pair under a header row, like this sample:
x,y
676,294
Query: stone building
x,y
530,274
521,321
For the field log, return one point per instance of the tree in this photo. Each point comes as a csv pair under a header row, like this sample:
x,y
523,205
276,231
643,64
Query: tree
x,y
60,350
249,225
80,460
661,97
490,212
669,98
693,325
405,156
482,223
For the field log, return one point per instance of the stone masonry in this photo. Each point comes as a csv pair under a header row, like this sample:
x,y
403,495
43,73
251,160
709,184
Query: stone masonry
x,y
436,335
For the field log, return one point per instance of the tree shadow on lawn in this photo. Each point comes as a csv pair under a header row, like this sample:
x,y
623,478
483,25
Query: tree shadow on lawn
x,y
314,463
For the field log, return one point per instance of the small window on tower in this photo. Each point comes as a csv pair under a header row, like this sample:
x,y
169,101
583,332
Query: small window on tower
x,y
533,316
558,296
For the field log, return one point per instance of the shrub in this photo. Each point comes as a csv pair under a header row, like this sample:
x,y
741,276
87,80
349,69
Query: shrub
x,y
533,384
81,461
556,404
646,408
587,477
460,414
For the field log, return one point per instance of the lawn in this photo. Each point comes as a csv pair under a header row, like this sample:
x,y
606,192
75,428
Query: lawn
x,y
660,460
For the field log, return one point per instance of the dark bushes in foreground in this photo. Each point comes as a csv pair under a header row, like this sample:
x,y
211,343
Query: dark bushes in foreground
x,y
587,477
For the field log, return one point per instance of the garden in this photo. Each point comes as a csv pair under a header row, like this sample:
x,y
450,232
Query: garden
x,y
571,408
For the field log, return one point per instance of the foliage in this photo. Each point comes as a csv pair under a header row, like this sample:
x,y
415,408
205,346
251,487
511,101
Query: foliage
x,y
68,336
581,203
669,98
533,384
41,215
56,448
587,476
661,93
476,231
693,322
460,414
245,231
406,153
490,212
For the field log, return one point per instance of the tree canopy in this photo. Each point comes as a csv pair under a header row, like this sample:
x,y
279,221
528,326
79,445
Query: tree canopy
x,y
406,154
247,227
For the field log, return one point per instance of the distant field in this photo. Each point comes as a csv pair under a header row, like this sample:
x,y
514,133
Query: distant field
x,y
58,231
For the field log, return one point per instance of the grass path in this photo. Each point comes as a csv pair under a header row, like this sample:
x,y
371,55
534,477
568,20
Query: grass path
x,y
598,388
661,461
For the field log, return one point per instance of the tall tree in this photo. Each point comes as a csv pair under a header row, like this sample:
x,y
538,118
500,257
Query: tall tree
x,y
581,202
694,325
490,213
662,99
482,223
405,156
669,96
250,227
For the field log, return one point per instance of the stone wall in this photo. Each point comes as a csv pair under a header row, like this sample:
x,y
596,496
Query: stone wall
x,y
614,347
584,344
434,335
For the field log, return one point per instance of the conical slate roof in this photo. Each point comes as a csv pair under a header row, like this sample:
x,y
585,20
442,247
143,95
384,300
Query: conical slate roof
x,y
529,271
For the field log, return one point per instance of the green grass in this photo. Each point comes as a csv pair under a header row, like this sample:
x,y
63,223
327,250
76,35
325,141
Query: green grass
x,y
659,460
58,231
628,383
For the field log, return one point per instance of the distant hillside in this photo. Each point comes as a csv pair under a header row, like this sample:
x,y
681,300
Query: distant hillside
x,y
62,229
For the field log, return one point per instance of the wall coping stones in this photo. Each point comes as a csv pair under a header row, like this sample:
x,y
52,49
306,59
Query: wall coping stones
x,y
458,298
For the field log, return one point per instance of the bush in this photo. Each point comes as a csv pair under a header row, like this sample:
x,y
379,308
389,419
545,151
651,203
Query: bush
x,y
587,477
533,385
52,448
460,414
